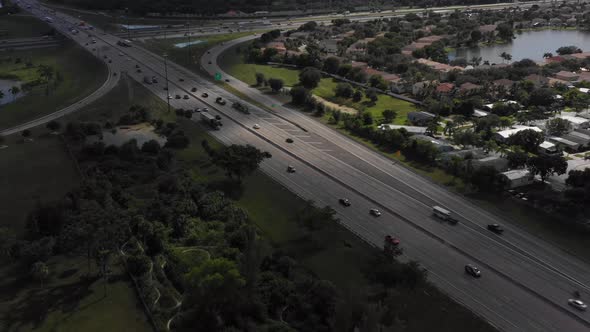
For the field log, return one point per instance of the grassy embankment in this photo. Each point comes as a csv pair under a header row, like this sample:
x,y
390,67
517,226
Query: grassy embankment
x,y
22,26
81,74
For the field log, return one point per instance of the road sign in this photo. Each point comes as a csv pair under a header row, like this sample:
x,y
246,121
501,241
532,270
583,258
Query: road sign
x,y
218,76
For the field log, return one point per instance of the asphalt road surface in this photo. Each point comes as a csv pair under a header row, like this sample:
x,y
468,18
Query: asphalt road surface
x,y
526,282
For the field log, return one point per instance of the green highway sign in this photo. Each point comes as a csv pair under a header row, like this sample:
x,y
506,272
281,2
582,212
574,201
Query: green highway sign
x,y
218,76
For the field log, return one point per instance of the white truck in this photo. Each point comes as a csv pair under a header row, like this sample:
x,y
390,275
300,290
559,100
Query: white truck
x,y
443,214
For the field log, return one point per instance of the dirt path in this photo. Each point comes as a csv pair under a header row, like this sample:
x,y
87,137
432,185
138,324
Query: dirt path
x,y
343,109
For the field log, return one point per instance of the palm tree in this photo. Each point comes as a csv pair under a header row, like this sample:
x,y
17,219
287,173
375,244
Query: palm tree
x,y
476,61
507,57
502,149
449,128
547,55
1,94
46,72
14,90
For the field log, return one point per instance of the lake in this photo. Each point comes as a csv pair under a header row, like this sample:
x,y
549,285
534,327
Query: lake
x,y
530,44
5,86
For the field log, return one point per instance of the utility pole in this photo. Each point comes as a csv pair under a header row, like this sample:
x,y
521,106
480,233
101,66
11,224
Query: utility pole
x,y
167,87
188,33
128,25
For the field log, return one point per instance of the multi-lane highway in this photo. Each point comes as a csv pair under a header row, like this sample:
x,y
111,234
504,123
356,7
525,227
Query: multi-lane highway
x,y
526,282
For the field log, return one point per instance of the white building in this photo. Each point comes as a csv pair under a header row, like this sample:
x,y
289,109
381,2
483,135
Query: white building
x,y
518,178
503,135
576,121
415,130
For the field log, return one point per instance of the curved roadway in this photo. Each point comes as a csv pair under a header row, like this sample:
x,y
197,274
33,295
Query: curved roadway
x,y
526,282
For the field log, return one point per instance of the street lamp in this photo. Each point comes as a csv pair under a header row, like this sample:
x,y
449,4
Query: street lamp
x,y
167,87
188,33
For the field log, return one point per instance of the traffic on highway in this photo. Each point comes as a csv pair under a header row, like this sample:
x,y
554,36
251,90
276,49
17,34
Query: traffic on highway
x,y
513,279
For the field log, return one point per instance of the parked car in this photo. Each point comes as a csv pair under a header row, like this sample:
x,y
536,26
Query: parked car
x,y
256,126
375,212
194,90
181,79
204,95
344,201
496,228
290,169
577,304
177,96
185,97
472,270
289,140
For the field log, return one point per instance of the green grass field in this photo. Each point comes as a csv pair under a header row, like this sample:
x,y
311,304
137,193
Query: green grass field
x,y
22,26
82,74
70,302
181,55
32,173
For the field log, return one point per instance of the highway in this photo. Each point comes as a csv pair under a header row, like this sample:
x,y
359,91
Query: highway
x,y
526,282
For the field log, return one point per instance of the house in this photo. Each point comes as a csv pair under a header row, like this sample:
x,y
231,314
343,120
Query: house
x,y
444,89
581,56
539,22
554,81
571,22
469,88
477,113
441,67
398,85
518,178
502,136
504,82
475,153
329,46
420,118
441,145
359,64
566,76
498,163
576,121
489,28
299,34
414,130
547,148
537,80
555,22
279,46
419,87
578,137
564,143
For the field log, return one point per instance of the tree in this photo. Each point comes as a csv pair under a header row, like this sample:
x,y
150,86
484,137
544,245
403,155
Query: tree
x,y
53,125
557,126
517,158
239,160
541,97
15,90
151,146
372,95
476,36
138,265
578,179
46,72
310,77
377,81
331,65
343,90
545,166
40,272
505,31
565,50
367,118
259,79
547,55
26,133
1,94
527,139
465,138
299,95
432,128
389,115
276,84
357,96
506,57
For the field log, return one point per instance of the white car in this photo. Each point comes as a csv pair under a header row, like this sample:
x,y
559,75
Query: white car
x,y
256,126
577,304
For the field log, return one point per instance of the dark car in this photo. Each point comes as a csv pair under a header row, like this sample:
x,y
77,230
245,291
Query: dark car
x,y
209,62
181,79
291,169
204,95
136,66
344,201
177,97
472,270
185,97
193,89
496,228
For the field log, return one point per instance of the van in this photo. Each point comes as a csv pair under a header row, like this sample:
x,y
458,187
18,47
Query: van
x,y
441,213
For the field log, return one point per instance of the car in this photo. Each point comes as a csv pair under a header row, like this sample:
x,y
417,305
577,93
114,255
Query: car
x,y
375,212
154,80
139,70
169,97
105,56
136,66
205,109
177,96
472,270
496,228
227,80
209,62
256,126
110,61
181,79
577,304
185,97
218,117
290,169
204,95
289,140
197,110
344,201
194,90
120,54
